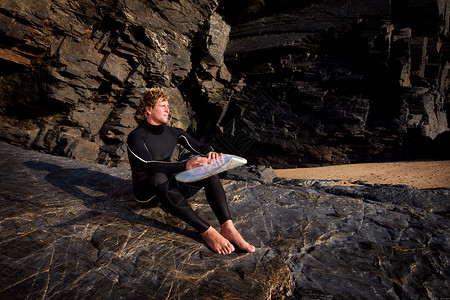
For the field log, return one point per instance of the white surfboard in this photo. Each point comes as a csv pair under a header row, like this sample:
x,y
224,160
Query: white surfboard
x,y
226,162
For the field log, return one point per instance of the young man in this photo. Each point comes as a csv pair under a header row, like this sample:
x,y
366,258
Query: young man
x,y
150,147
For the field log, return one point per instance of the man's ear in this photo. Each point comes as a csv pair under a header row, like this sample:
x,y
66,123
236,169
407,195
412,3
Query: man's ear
x,y
147,109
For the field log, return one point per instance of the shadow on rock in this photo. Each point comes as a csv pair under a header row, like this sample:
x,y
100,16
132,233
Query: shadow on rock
x,y
102,193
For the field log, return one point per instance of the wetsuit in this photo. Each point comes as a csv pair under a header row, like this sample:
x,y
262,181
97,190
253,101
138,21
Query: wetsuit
x,y
150,149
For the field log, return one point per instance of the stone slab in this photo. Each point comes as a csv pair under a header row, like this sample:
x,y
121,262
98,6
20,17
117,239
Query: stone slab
x,y
70,229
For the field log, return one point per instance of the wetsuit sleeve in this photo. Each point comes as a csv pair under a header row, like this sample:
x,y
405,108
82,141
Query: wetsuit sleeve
x,y
143,159
192,144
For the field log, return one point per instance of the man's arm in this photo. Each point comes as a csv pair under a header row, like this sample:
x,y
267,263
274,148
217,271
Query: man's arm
x,y
143,158
193,144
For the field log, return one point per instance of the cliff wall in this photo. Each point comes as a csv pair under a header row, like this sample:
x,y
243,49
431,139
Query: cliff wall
x,y
283,83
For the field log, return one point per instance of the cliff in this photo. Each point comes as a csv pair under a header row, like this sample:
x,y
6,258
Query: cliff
x,y
283,83
71,230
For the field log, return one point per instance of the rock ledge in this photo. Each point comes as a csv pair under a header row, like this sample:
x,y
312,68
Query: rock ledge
x,y
70,229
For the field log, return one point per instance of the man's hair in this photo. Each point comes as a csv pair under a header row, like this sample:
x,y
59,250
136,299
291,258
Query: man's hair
x,y
150,98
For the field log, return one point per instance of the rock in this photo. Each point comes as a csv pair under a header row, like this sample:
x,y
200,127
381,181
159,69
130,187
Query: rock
x,y
115,67
261,174
82,150
93,55
306,62
430,200
72,229
22,133
90,116
425,111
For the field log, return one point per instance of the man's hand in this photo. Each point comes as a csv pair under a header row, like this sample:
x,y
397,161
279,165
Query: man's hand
x,y
197,162
201,161
213,155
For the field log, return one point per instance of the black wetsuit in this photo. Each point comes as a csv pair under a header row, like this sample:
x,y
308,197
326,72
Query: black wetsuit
x,y
150,149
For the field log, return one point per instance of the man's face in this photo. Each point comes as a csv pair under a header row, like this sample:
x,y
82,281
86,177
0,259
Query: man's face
x,y
159,114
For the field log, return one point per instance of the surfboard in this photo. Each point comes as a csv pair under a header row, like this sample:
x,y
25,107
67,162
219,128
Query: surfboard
x,y
226,162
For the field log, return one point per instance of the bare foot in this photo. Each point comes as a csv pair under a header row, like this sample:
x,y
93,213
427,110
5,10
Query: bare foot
x,y
229,232
217,242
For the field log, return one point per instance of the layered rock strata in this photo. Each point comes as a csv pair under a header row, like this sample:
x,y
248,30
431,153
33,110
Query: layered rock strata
x,y
283,83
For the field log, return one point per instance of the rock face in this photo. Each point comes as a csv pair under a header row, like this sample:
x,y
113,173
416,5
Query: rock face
x,y
284,83
73,73
70,229
343,81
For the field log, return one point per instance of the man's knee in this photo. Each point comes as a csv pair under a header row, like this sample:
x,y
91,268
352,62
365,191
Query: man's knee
x,y
213,180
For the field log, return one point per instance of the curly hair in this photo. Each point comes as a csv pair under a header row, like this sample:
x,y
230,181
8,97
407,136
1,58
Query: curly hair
x,y
150,98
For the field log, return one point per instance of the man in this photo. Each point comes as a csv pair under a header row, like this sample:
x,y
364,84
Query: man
x,y
150,147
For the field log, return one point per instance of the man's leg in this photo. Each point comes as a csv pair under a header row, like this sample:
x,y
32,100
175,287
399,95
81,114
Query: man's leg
x,y
216,197
176,204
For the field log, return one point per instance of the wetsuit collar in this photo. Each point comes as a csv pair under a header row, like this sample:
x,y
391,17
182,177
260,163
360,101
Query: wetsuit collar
x,y
155,129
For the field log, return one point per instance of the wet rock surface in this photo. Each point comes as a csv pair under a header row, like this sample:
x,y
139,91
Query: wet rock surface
x,y
70,229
